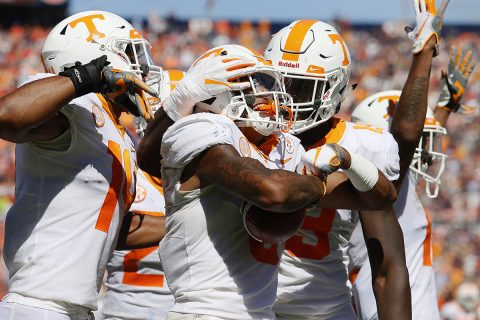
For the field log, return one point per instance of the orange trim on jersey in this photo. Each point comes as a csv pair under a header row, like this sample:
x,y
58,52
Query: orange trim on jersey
x,y
294,41
108,109
128,197
427,243
156,182
334,135
149,213
352,276
130,265
266,147
110,203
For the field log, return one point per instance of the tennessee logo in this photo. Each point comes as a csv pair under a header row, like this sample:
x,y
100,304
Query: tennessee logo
x,y
88,21
289,145
141,193
98,116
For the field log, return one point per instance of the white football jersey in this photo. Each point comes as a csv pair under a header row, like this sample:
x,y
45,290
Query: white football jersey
x,y
69,205
313,278
416,227
212,265
136,285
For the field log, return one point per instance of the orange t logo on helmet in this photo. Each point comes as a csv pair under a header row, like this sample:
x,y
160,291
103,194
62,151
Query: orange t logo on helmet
x,y
88,21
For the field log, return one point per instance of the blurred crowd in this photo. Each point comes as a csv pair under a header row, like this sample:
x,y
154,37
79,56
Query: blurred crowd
x,y
381,58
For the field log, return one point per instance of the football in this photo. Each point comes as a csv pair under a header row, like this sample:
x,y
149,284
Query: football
x,y
271,227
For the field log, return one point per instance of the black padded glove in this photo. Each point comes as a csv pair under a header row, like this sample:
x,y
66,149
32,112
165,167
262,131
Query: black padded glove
x,y
88,77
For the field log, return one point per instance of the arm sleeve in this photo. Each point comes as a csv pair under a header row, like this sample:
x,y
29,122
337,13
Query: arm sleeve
x,y
192,135
391,159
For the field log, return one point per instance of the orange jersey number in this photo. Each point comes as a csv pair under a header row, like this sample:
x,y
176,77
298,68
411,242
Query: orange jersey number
x,y
131,275
316,245
118,175
265,253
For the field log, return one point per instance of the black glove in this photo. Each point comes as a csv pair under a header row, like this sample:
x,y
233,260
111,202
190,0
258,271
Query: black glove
x,y
87,78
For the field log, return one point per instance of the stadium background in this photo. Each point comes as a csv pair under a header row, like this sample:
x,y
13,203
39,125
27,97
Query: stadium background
x,y
381,58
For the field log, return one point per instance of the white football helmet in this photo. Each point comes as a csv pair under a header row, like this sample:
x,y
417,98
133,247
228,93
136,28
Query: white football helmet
x,y
91,34
169,80
468,296
315,62
265,106
428,161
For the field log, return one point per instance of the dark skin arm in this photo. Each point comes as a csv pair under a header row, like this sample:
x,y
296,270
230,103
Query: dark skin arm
x,y
148,153
278,190
274,190
32,111
409,117
140,231
386,251
441,115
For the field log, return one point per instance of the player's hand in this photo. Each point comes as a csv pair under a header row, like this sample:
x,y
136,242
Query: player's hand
x,y
206,78
87,77
453,84
429,23
128,90
323,161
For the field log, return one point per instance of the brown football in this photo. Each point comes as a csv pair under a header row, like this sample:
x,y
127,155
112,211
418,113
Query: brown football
x,y
271,227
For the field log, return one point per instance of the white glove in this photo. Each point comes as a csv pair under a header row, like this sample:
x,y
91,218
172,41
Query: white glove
x,y
322,161
429,23
453,84
206,78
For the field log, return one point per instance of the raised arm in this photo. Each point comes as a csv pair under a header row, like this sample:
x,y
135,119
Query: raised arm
x,y
207,77
384,240
31,112
409,117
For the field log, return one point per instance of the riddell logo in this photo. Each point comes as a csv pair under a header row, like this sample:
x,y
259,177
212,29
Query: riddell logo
x,y
288,64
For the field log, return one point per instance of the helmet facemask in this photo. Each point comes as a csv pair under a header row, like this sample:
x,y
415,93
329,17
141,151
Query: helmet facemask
x,y
428,161
315,99
136,53
265,106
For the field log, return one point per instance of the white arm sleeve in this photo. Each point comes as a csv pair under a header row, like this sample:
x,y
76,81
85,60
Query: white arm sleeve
x,y
192,135
391,159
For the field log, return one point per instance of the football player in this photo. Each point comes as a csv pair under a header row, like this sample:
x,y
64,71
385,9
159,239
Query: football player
x,y
427,164
136,285
75,166
212,163
313,276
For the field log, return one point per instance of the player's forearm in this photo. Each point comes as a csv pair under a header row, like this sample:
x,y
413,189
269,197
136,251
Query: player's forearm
x,y
140,231
409,117
273,190
381,196
441,115
384,241
148,153
32,105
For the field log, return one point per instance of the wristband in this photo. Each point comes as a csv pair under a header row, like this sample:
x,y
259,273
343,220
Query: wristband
x,y
362,173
